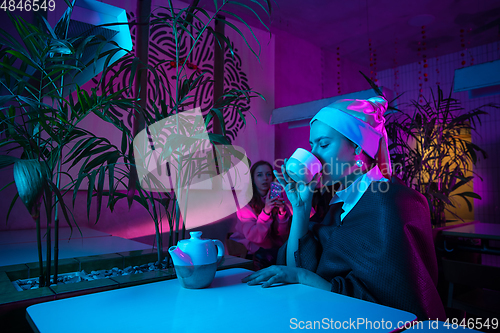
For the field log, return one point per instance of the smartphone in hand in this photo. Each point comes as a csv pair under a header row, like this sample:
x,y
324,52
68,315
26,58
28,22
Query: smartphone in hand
x,y
276,190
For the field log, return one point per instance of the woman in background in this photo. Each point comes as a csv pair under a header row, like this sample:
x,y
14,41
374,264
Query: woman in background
x,y
263,225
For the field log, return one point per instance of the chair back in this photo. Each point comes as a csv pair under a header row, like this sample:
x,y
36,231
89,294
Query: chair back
x,y
469,274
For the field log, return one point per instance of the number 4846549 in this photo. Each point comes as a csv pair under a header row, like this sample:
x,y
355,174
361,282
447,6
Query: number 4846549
x,y
472,323
28,5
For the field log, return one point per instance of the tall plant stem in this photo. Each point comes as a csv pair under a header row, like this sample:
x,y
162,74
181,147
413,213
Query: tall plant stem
x,y
177,220
171,219
171,233
41,280
159,242
49,254
49,240
142,52
219,51
56,222
58,183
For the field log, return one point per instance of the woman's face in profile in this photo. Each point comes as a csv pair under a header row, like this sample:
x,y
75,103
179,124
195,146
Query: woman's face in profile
x,y
334,150
262,177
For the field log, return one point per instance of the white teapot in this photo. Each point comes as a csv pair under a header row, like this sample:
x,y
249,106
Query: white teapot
x,y
196,260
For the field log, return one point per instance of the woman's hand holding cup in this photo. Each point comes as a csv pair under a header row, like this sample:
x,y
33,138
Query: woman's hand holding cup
x,y
299,193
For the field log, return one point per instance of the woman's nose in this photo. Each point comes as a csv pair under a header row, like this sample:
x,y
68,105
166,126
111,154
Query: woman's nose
x,y
314,151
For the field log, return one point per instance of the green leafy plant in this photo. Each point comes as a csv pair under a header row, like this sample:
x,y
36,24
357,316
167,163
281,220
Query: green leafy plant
x,y
431,149
433,152
40,126
188,27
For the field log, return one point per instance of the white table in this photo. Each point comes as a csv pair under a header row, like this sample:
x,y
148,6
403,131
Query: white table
x,y
226,306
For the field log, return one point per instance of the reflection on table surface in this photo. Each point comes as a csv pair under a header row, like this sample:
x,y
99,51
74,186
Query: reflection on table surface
x,y
20,246
226,306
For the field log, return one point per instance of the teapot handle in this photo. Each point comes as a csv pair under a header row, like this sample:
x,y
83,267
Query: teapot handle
x,y
220,251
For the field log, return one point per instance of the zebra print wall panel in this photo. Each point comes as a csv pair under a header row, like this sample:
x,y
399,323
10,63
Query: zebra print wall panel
x,y
161,48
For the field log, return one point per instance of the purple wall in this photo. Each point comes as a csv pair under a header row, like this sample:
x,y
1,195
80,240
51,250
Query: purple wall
x,y
304,73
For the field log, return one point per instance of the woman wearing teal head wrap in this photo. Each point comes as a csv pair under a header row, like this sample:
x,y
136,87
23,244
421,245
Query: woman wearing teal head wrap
x,y
375,242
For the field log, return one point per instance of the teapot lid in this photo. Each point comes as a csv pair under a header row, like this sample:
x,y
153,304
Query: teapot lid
x,y
194,239
195,234
201,251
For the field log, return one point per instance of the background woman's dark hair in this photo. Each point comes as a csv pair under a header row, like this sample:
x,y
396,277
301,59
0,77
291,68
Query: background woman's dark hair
x,y
256,202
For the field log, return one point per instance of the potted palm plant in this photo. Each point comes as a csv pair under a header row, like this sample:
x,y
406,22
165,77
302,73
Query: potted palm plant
x,y
40,125
171,95
432,152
